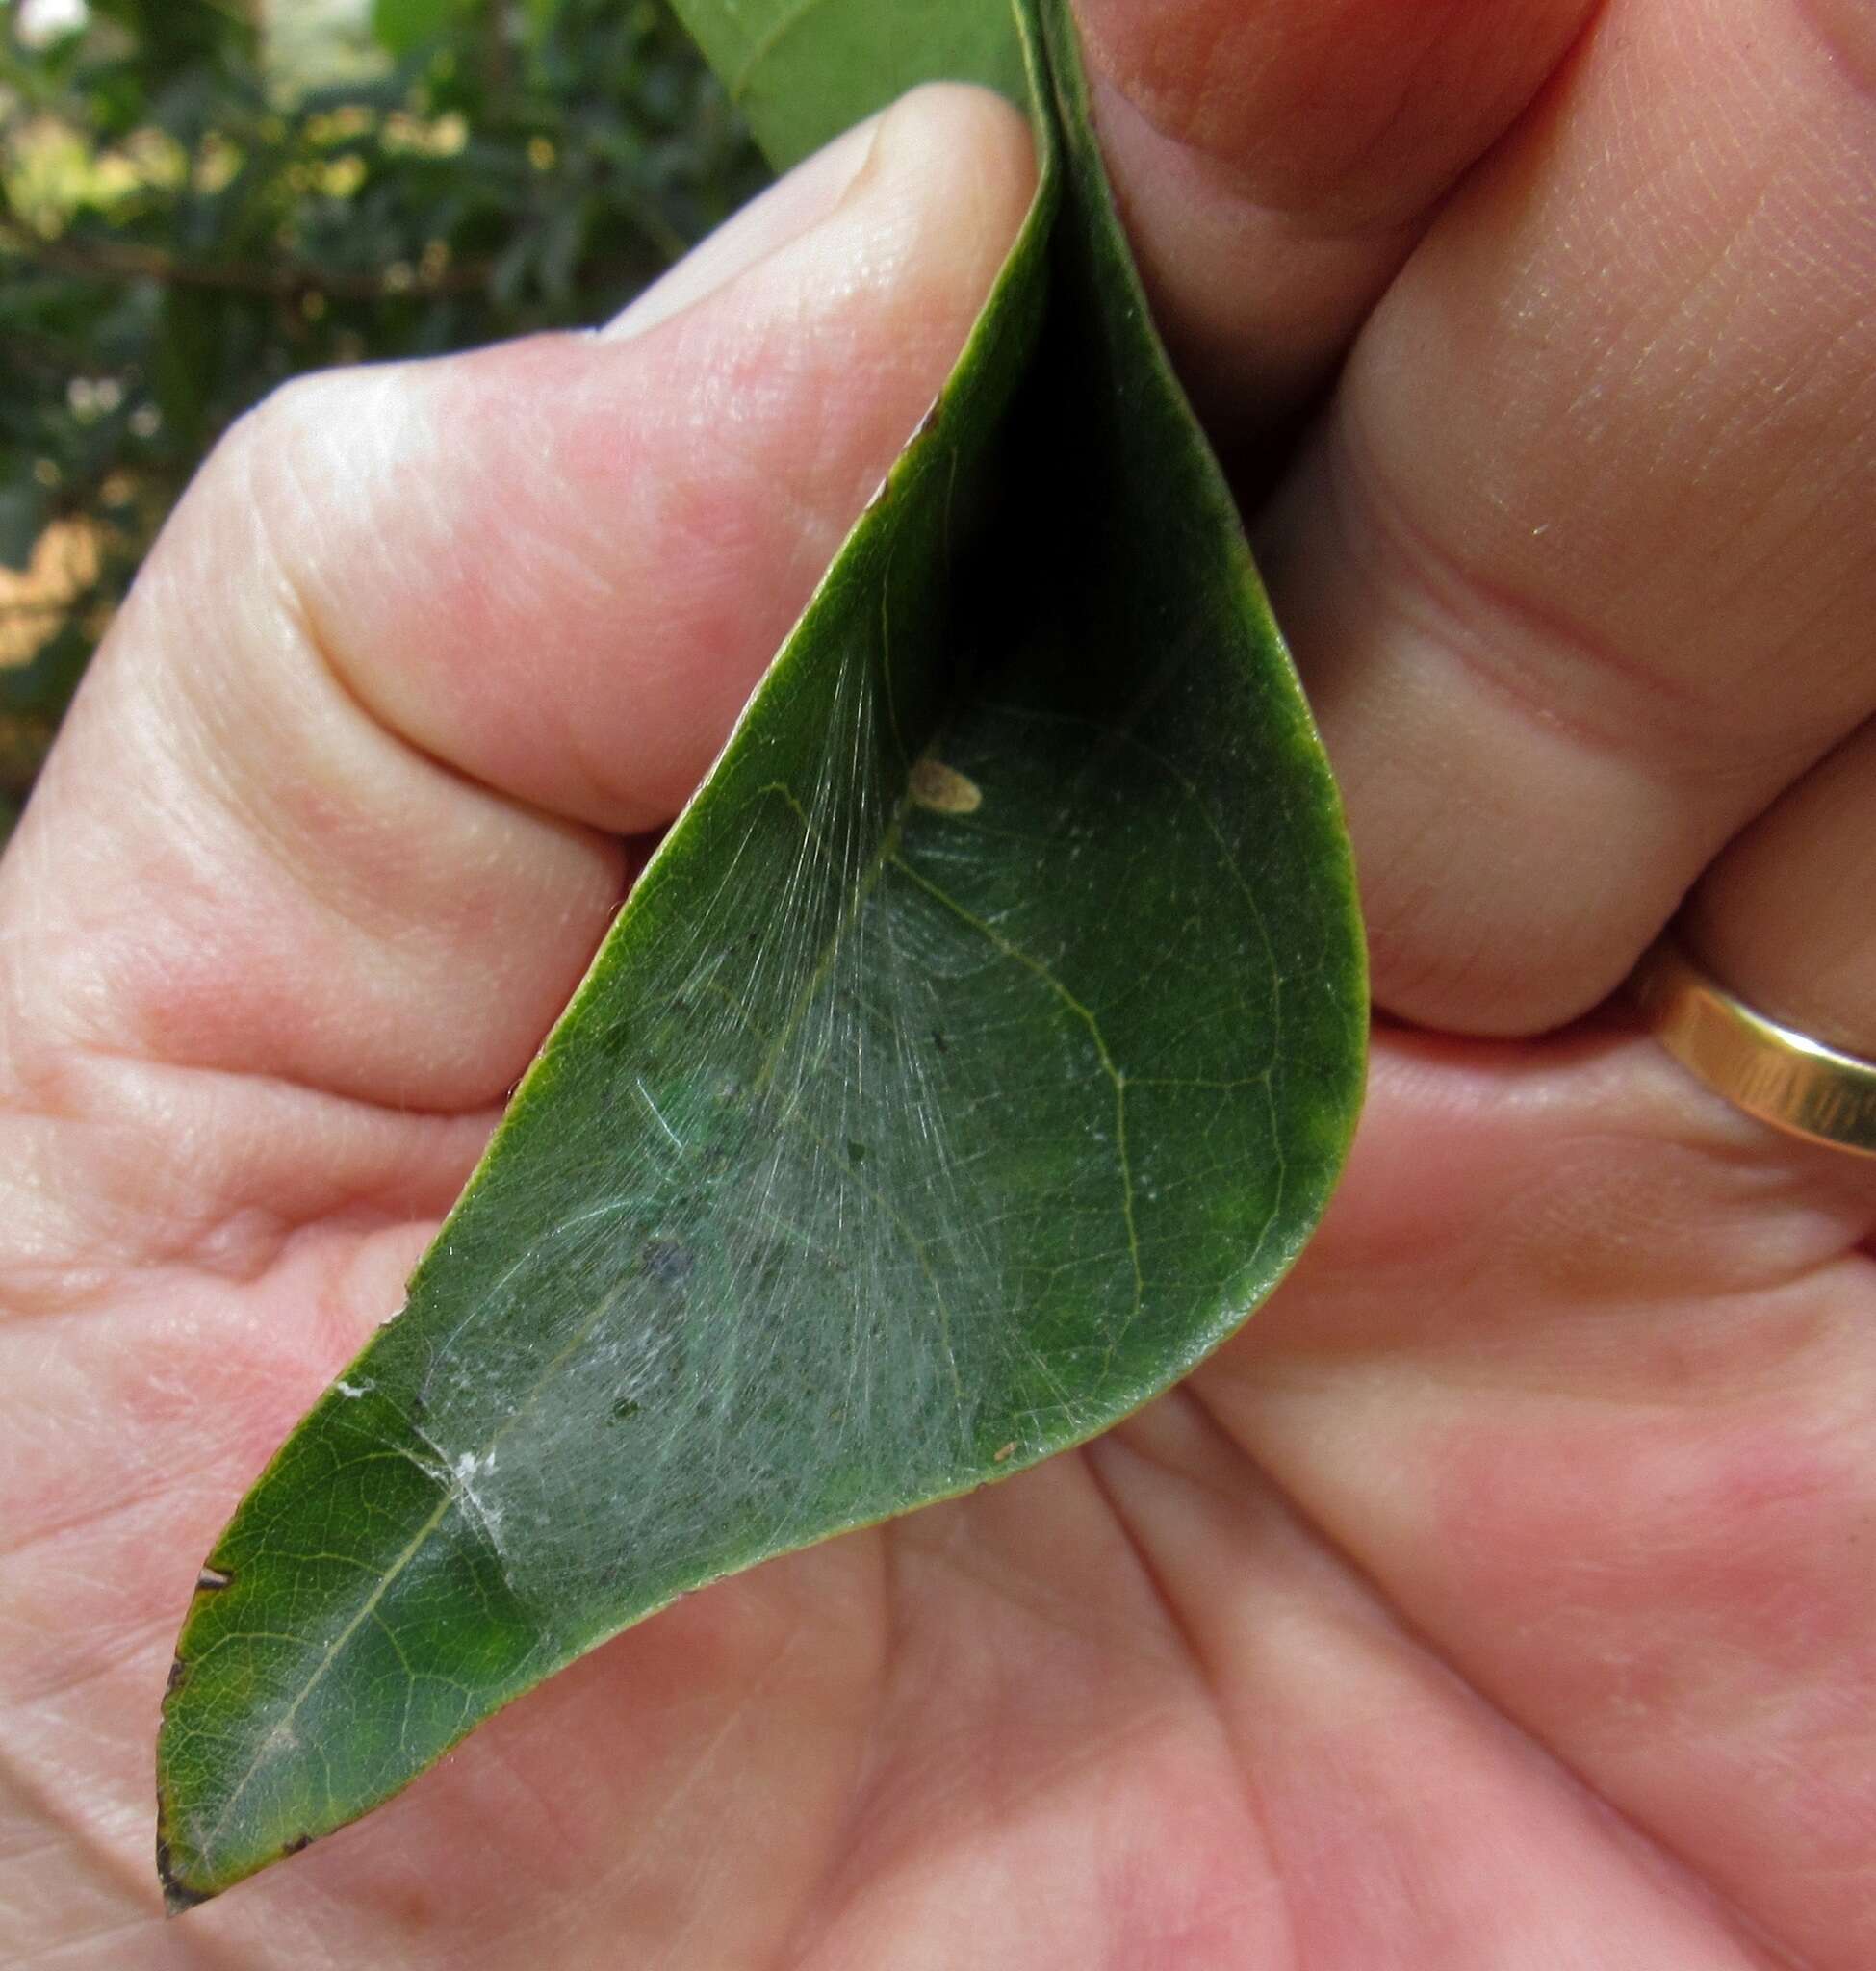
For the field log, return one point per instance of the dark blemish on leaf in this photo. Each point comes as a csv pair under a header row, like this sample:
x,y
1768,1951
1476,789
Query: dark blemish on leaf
x,y
298,1844
177,1678
929,422
1004,1453
668,1259
855,1153
211,1581
943,789
938,1041
178,1895
624,1408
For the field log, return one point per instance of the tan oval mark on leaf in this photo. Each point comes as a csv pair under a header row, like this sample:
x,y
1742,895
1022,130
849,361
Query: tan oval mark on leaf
x,y
943,789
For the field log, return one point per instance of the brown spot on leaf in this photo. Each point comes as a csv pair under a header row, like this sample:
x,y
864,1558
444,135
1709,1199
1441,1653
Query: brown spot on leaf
x,y
178,1895
943,789
211,1581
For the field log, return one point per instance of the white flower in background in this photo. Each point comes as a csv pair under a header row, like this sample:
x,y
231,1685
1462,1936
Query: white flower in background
x,y
39,21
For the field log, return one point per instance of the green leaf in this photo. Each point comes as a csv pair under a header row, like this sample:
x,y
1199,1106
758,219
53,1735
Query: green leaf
x,y
981,1045
22,519
41,687
400,27
539,16
804,70
183,361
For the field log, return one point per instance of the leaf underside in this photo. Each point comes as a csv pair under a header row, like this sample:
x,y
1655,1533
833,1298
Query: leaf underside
x,y
980,1048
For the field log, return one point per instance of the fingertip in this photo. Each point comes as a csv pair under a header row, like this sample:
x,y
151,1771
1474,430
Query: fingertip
x,y
969,140
971,152
791,207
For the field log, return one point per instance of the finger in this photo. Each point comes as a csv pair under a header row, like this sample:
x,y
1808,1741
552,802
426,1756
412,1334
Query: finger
x,y
1571,567
1276,162
1784,918
327,809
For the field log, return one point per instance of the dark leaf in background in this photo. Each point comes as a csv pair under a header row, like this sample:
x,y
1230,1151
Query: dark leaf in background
x,y
22,519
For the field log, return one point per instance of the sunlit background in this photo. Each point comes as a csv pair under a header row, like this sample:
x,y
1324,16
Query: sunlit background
x,y
200,198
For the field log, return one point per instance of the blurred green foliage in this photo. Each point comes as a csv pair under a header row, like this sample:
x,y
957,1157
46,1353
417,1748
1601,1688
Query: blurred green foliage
x,y
200,198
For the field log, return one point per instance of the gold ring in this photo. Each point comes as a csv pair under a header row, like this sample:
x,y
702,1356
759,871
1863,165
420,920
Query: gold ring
x,y
1780,1076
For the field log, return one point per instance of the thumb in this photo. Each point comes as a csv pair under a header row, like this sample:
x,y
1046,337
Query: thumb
x,y
564,563
329,808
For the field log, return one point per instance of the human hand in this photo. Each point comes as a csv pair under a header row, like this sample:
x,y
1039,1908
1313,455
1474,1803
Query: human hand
x,y
1502,1595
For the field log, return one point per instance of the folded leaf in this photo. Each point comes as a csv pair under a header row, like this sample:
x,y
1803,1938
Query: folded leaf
x,y
980,1048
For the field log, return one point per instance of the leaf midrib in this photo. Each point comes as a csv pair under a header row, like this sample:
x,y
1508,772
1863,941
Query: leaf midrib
x,y
452,1492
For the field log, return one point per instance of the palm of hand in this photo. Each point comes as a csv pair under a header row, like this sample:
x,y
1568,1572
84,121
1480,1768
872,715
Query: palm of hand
x,y
1500,1598
1490,1590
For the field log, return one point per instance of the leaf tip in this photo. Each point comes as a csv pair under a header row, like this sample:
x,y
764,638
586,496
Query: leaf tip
x,y
178,1895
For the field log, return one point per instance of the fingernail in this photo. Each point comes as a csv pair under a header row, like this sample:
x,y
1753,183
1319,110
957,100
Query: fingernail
x,y
790,208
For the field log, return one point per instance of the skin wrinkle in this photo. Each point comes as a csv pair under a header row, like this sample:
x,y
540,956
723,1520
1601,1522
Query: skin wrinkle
x,y
938,1552
1229,181
1658,707
1203,1671
1026,1797
145,1639
378,960
1411,560
1699,448
1060,1612
1472,1370
809,1888
106,1077
1382,1608
313,638
214,1457
106,1863
1407,86
1853,1718
864,1757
